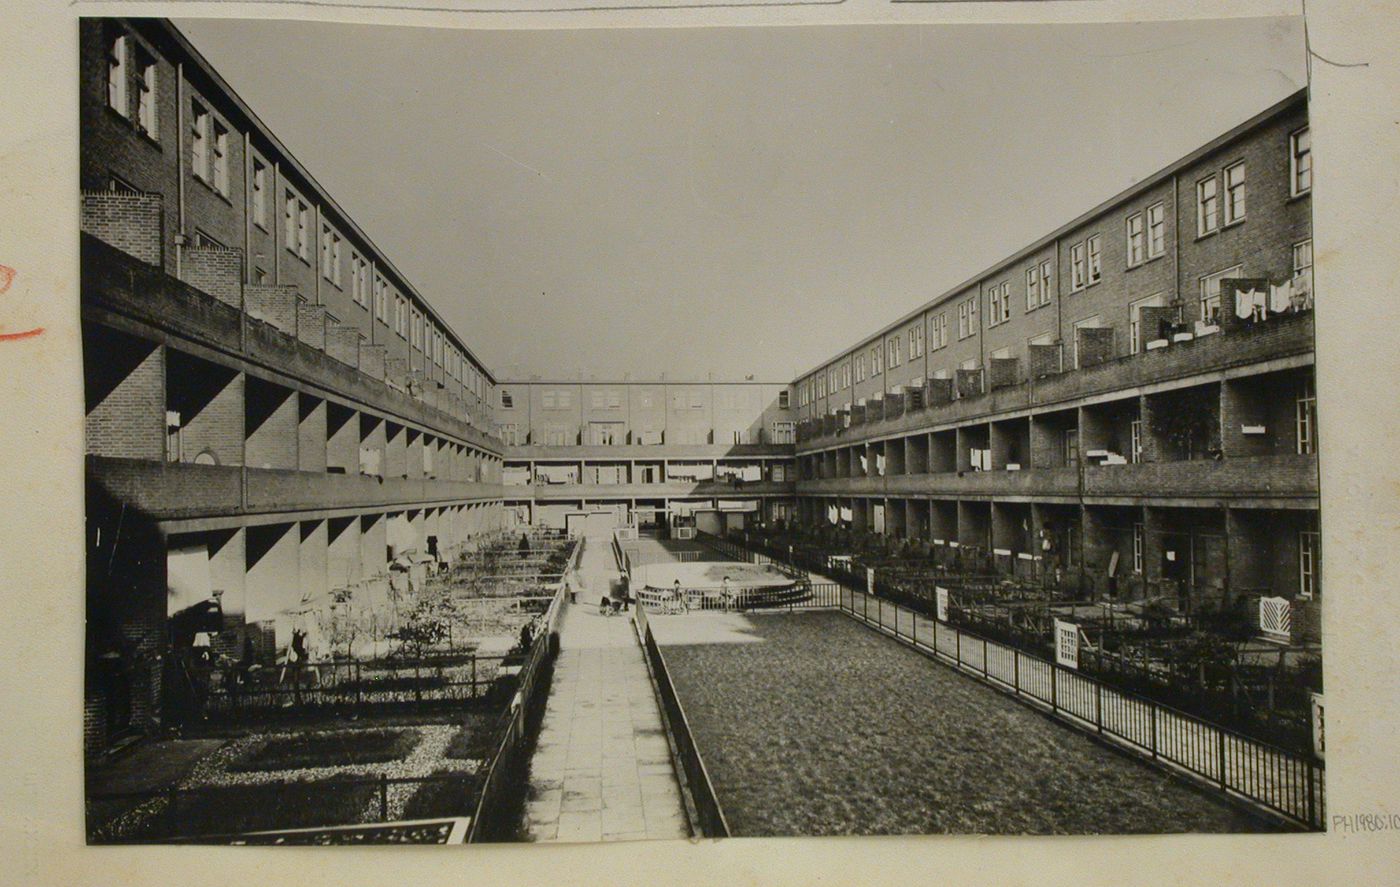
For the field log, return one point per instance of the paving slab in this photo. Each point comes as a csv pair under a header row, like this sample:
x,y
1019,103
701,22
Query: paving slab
x,y
602,767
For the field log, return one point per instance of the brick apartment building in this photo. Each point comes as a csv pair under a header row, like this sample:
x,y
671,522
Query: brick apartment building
x,y
644,450
273,412
1131,396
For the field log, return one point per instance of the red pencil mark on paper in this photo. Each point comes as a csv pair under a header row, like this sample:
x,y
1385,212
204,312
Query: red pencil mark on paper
x,y
7,277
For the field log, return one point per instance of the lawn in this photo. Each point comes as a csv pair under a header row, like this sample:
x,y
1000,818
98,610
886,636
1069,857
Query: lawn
x,y
826,727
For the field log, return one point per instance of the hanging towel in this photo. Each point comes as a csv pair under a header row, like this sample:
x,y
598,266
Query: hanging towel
x,y
1281,297
1244,308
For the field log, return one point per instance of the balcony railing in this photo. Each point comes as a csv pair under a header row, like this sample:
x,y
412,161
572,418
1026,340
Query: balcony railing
x,y
178,490
1282,336
1273,477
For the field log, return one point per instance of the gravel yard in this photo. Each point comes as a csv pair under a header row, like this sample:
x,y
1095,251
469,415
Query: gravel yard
x,y
818,726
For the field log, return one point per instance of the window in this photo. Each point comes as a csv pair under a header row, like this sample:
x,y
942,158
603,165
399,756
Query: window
x,y
220,158
896,346
416,330
999,303
145,93
298,227
1156,230
1302,260
1032,288
330,255
1071,446
916,342
116,75
510,435
1300,166
401,316
939,331
1135,331
1309,543
1139,547
1234,193
260,194
784,399
1088,323
1078,270
1306,411
1137,245
1094,245
381,299
604,399
507,402
846,374
359,279
557,400
199,142
860,367
967,318
1210,292
877,361
1207,206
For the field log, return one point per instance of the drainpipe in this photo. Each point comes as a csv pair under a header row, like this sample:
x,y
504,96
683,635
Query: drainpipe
x,y
277,222
179,166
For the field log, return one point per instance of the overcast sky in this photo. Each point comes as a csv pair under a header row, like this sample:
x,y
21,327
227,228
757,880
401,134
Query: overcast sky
x,y
728,201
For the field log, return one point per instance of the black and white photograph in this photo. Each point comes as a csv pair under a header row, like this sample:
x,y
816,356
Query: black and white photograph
x,y
654,434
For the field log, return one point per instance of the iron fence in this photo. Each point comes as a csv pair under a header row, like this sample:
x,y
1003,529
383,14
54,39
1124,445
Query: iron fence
x,y
493,817
182,814
357,685
707,813
1273,778
1280,781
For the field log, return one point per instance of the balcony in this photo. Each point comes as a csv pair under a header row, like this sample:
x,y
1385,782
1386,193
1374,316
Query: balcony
x,y
1272,481
121,291
648,453
669,490
1037,483
183,490
1286,336
1265,478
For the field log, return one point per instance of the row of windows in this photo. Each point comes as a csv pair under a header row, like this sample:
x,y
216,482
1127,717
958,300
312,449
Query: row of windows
x,y
612,434
1220,202
131,92
1210,296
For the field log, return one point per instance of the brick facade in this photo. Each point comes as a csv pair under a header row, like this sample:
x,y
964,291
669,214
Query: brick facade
x,y
130,222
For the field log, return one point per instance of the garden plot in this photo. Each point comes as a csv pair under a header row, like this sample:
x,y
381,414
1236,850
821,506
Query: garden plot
x,y
319,777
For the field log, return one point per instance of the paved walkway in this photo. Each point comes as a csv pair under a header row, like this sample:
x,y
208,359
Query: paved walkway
x,y
602,767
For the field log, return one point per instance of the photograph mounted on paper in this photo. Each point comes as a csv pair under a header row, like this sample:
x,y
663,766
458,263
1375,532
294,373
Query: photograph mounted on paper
x,y
569,436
